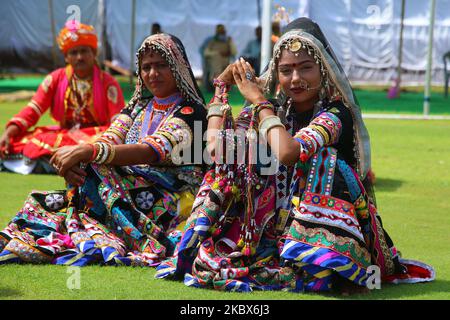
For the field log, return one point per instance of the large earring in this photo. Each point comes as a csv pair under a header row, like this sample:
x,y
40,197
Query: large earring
x,y
322,93
283,110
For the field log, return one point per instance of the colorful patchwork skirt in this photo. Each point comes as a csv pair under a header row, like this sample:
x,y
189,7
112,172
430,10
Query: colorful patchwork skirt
x,y
210,253
331,234
116,218
330,239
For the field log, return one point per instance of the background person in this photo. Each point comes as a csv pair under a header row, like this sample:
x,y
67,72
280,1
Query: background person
x,y
219,52
82,98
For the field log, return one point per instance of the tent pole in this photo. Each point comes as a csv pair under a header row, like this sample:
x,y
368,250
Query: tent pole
x,y
400,49
266,42
132,40
427,97
52,24
101,30
258,7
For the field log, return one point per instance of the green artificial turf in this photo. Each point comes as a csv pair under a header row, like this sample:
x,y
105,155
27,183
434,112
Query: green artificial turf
x,y
411,160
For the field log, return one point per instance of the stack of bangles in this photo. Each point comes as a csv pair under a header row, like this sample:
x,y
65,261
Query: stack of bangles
x,y
223,90
216,109
268,122
103,153
263,105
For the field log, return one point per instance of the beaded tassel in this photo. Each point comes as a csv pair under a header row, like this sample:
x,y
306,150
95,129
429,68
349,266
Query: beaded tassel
x,y
225,172
249,226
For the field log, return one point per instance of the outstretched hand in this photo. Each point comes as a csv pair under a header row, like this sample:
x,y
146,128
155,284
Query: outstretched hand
x,y
246,81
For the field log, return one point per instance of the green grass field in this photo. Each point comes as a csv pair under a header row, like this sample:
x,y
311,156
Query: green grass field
x,y
411,160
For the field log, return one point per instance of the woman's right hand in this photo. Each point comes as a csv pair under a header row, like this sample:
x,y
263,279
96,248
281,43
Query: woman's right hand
x,y
75,176
67,157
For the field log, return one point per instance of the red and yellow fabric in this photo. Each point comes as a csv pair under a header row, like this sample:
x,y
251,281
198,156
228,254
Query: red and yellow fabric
x,y
56,93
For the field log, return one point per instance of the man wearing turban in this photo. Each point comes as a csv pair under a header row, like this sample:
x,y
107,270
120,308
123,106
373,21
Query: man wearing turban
x,y
82,99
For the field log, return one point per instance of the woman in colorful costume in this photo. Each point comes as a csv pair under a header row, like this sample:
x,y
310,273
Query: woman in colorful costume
x,y
309,225
82,98
139,182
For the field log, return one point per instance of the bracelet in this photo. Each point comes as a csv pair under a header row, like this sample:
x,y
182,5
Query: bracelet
x,y
214,97
219,83
106,154
268,123
94,152
101,151
112,154
215,110
263,105
224,88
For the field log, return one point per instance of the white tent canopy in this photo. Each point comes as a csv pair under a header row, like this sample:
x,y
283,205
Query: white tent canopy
x,y
364,33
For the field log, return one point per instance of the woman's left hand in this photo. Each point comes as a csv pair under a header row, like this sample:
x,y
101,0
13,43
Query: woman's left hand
x,y
247,83
69,156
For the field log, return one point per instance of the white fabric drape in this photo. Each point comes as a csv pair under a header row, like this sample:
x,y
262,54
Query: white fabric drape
x,y
364,33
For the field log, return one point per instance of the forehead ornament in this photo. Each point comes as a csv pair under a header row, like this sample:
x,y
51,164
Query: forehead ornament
x,y
295,46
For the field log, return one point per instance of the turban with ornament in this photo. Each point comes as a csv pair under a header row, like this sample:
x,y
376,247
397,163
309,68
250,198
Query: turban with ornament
x,y
76,34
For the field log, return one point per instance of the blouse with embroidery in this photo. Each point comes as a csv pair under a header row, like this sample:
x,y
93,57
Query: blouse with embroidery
x,y
167,126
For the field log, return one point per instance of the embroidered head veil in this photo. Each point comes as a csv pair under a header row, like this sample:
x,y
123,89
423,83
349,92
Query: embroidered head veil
x,y
172,50
304,34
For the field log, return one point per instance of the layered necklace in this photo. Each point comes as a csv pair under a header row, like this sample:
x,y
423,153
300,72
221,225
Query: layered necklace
x,y
81,91
158,109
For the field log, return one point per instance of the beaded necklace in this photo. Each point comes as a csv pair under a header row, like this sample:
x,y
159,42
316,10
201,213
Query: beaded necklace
x,y
81,90
158,109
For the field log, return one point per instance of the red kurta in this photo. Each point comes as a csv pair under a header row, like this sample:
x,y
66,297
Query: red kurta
x,y
81,114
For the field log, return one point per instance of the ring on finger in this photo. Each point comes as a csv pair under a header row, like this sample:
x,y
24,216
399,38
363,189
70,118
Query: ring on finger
x,y
249,75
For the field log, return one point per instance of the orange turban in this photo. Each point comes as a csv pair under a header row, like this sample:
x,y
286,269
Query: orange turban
x,y
76,34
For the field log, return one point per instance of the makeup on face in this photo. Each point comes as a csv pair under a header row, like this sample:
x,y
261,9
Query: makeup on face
x,y
157,76
299,77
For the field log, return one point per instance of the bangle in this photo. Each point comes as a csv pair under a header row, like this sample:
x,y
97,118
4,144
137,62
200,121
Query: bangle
x,y
101,151
106,154
268,123
214,97
223,88
94,152
215,110
112,154
263,105
219,83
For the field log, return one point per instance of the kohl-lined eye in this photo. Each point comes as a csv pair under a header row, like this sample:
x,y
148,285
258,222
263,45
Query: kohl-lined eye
x,y
285,71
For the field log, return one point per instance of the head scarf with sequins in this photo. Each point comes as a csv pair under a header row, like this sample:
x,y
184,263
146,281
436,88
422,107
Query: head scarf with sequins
x,y
172,50
304,34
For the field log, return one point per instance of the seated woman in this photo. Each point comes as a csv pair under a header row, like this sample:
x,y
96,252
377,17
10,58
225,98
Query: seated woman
x,y
82,99
124,207
309,225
